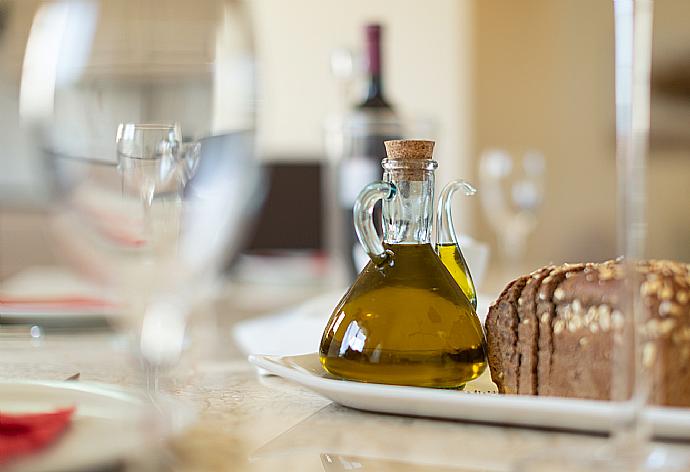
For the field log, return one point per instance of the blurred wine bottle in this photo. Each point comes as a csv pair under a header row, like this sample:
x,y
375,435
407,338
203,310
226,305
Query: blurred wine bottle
x,y
374,99
364,130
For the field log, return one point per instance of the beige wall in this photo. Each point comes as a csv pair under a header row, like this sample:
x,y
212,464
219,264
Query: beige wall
x,y
25,240
428,46
544,79
669,170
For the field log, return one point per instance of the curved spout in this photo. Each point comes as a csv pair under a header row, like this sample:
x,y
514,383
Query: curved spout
x,y
445,231
447,246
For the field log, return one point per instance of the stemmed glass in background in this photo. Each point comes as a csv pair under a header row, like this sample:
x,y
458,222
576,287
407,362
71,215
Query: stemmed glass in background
x,y
154,228
511,196
629,448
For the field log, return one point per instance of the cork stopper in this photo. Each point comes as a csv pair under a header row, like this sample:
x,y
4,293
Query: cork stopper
x,y
409,149
409,159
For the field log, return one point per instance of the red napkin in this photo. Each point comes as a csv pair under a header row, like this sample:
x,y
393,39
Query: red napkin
x,y
54,303
26,433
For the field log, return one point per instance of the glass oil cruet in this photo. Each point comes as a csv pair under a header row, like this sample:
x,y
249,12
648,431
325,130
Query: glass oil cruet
x,y
405,320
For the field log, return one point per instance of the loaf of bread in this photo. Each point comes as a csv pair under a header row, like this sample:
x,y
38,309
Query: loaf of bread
x,y
554,331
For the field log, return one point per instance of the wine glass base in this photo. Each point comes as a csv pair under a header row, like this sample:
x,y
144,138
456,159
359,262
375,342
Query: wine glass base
x,y
655,459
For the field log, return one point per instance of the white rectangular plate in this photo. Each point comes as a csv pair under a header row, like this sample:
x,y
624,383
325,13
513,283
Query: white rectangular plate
x,y
478,402
53,297
110,423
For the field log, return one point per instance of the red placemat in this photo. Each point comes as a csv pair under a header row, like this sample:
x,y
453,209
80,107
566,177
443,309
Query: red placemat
x,y
22,434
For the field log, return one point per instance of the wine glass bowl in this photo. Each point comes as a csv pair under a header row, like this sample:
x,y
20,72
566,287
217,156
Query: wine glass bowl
x,y
140,116
512,194
150,158
153,229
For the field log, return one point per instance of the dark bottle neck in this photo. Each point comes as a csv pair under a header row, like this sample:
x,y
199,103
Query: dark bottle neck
x,y
375,97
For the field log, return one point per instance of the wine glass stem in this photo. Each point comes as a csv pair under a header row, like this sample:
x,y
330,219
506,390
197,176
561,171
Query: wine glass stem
x,y
633,36
152,378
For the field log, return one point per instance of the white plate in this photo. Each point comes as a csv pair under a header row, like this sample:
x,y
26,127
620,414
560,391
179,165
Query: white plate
x,y
109,425
476,403
48,290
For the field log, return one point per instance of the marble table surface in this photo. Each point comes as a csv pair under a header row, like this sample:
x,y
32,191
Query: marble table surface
x,y
248,422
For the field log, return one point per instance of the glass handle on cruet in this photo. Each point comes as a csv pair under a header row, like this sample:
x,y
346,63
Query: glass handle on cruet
x,y
446,237
363,213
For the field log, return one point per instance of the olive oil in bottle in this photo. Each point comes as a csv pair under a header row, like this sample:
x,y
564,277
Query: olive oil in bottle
x,y
405,320
406,324
447,247
452,258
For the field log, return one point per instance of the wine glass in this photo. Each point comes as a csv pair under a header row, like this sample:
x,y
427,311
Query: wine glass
x,y
154,227
512,193
139,115
630,447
